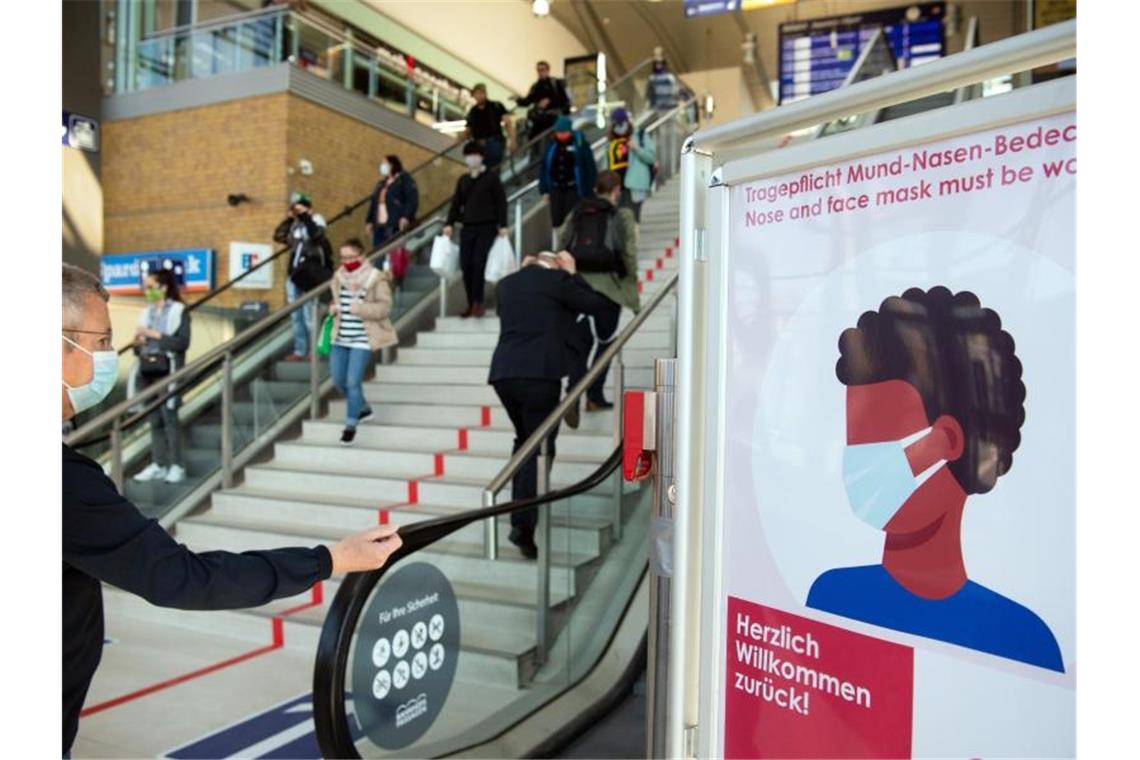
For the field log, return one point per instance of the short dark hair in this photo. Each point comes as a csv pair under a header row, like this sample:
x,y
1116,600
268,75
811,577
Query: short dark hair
x,y
78,284
955,354
168,282
353,242
395,162
542,63
479,86
474,147
606,182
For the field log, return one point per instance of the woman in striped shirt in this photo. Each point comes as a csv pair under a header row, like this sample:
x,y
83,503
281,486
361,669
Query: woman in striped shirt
x,y
362,300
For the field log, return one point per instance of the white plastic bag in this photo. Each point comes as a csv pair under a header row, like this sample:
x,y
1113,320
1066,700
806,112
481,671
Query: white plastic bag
x,y
500,260
445,257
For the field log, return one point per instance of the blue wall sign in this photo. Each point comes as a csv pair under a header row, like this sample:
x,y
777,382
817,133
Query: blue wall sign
x,y
123,273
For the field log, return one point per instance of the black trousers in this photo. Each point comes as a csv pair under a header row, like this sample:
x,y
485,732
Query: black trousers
x,y
475,241
528,402
562,202
583,342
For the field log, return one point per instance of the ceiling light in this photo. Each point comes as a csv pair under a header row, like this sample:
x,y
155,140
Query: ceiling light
x,y
540,8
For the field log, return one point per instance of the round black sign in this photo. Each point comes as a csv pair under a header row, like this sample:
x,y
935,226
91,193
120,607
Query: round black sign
x,y
403,663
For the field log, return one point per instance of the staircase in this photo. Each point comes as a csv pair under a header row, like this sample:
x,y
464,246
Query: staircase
x,y
438,436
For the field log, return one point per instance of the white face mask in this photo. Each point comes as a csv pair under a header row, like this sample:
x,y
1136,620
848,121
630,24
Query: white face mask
x,y
879,480
103,376
474,161
621,129
385,169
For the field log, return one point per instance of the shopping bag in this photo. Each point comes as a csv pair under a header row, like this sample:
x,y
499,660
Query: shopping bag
x,y
444,257
324,342
500,260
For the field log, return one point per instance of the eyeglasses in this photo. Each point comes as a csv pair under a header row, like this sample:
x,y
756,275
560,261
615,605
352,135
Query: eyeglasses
x,y
104,336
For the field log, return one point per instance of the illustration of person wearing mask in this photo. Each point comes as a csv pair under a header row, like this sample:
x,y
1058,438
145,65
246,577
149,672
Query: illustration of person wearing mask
x,y
935,403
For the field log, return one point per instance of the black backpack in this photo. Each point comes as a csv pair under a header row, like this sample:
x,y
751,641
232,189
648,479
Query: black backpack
x,y
588,240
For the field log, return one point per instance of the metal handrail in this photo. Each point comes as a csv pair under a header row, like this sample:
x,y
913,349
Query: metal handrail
x,y
234,18
554,418
1018,53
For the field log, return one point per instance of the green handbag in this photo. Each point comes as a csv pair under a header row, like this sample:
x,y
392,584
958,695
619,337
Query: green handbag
x,y
324,343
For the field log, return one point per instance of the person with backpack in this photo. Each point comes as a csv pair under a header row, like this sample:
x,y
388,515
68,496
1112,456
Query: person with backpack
x,y
568,170
602,238
639,176
310,265
480,203
362,301
395,200
161,341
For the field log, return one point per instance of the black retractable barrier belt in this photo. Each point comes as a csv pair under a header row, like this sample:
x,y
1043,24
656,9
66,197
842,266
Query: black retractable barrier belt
x,y
330,668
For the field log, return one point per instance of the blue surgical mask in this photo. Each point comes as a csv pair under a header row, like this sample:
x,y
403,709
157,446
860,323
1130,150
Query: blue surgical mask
x,y
879,480
106,371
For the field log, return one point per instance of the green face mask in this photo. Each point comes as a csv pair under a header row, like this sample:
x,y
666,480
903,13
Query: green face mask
x,y
153,294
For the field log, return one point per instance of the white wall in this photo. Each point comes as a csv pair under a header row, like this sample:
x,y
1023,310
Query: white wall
x,y
501,38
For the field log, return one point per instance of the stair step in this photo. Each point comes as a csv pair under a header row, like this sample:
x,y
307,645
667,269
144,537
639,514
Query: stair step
x,y
365,460
646,337
491,440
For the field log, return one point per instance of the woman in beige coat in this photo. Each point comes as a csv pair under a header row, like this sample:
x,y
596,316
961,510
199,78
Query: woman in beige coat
x,y
362,300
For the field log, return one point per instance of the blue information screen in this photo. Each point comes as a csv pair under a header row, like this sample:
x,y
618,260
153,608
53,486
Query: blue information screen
x,y
816,55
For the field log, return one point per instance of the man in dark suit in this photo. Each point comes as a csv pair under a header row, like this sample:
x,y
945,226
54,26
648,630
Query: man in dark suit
x,y
538,306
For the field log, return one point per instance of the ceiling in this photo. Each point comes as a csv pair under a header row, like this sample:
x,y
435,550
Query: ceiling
x,y
629,30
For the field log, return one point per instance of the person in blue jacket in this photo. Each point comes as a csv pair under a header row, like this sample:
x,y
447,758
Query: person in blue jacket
x,y
935,405
639,175
394,203
568,170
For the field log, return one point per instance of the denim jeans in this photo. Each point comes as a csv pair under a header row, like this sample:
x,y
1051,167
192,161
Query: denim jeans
x,y
348,366
302,318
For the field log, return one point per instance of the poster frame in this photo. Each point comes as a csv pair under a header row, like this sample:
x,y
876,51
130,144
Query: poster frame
x,y
1025,104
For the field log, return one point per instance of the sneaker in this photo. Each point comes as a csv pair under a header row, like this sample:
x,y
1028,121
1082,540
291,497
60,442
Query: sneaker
x,y
598,406
572,416
365,415
478,310
153,471
348,436
466,313
175,474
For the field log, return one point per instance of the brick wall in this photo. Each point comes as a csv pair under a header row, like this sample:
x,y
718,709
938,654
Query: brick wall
x,y
166,176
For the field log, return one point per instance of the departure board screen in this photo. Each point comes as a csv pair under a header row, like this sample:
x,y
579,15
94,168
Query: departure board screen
x,y
816,55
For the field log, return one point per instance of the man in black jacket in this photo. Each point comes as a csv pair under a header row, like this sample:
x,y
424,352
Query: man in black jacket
x,y
547,99
310,265
105,538
538,307
481,204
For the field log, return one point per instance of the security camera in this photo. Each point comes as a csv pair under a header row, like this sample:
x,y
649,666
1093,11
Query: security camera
x,y
236,199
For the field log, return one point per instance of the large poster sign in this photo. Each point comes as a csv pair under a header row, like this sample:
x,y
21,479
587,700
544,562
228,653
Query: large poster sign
x,y
898,553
